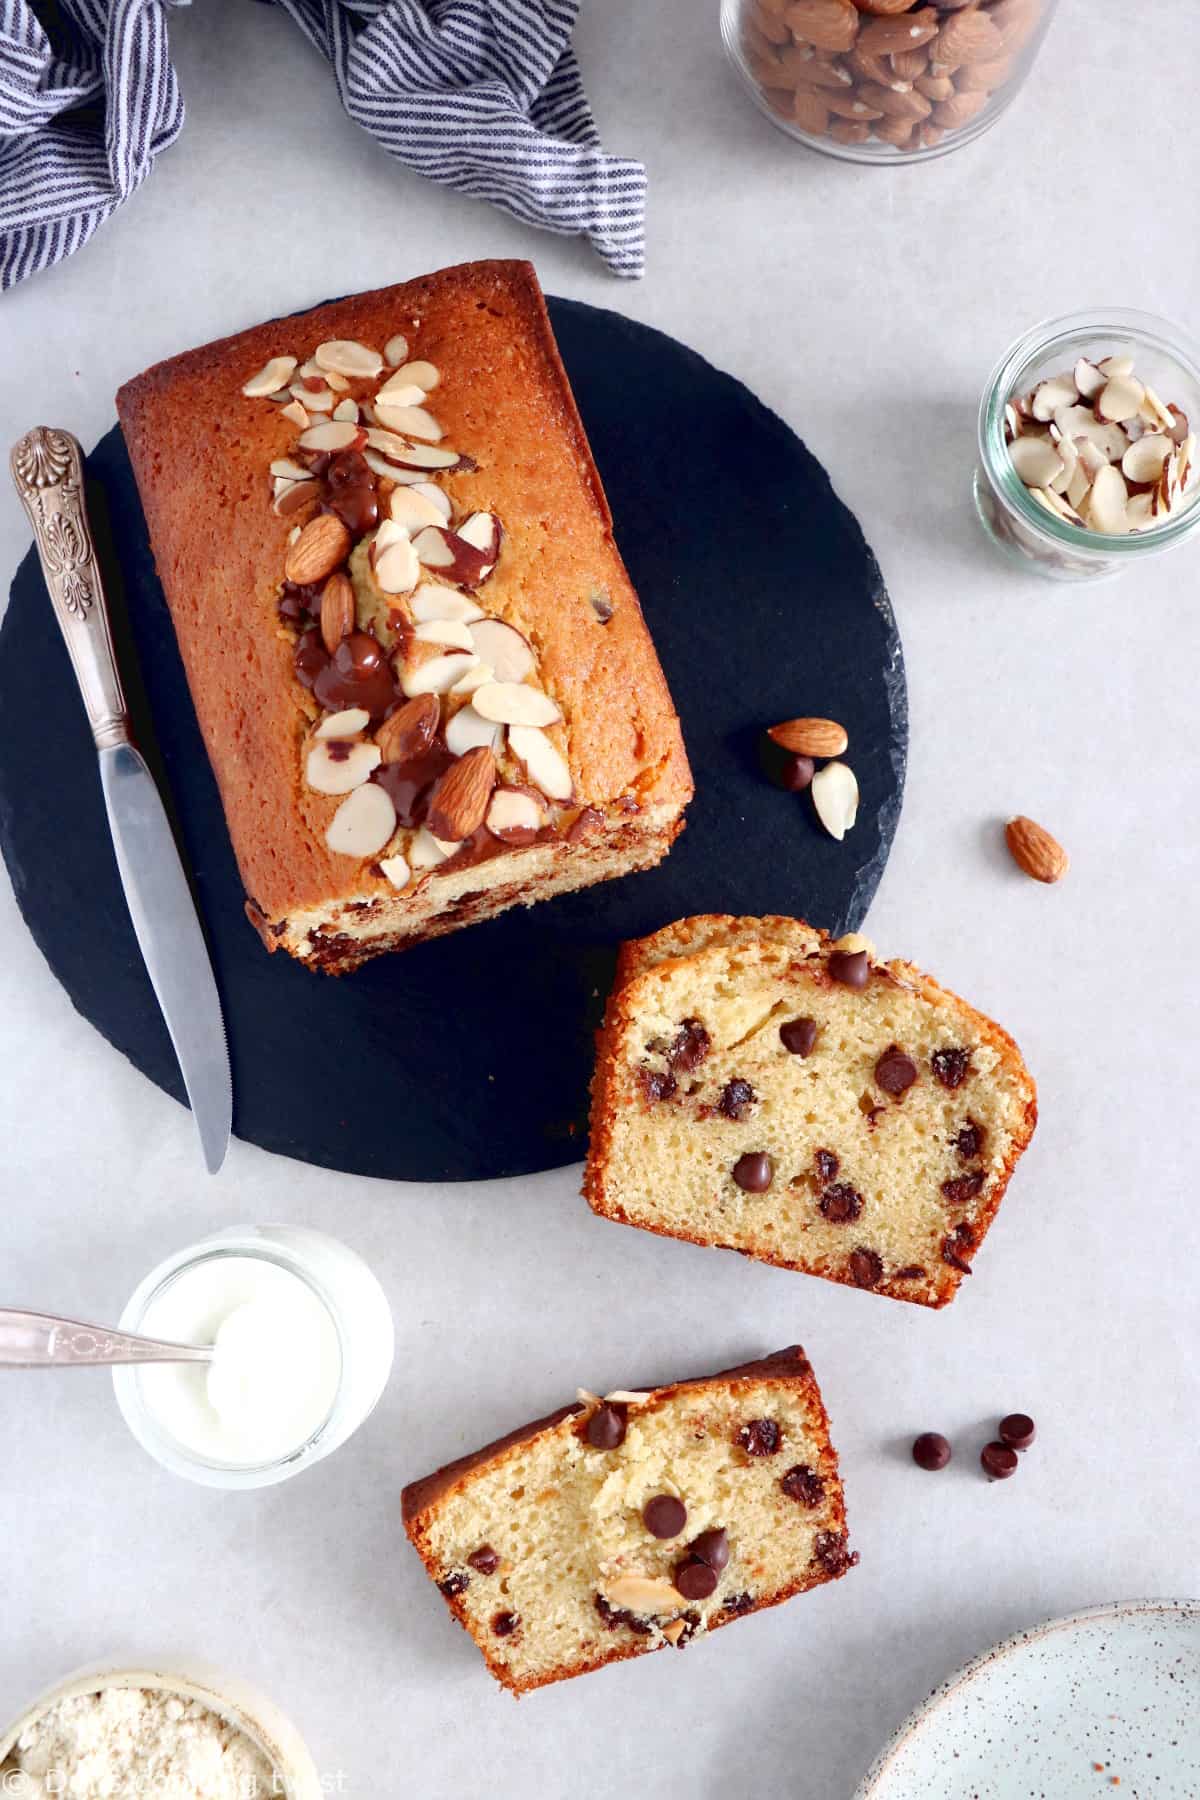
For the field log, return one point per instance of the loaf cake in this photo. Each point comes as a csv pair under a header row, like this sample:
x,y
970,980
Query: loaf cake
x,y
421,672
762,1088
620,1525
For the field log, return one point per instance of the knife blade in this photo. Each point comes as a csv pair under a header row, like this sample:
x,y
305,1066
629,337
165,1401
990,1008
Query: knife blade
x,y
47,469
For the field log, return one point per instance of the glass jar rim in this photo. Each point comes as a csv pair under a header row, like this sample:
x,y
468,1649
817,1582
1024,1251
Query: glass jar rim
x,y
1146,328
140,1417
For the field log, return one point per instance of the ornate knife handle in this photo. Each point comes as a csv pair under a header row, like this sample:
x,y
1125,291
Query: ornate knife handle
x,y
47,470
31,1340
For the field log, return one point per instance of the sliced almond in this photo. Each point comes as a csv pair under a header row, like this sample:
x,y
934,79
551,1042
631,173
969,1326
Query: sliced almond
x,y
544,762
437,498
515,703
1091,458
1120,398
424,375
409,421
337,767
394,559
1088,378
1035,851
322,544
482,529
835,797
347,409
1052,395
474,678
1053,503
643,1594
432,601
270,378
1105,509
337,610
1078,486
444,550
379,465
345,724
345,356
1180,428
459,800
435,675
1143,461
513,816
425,852
504,647
314,399
413,510
468,730
396,870
1012,422
1155,414
408,455
1081,421
1114,367
363,823
810,737
395,350
453,633
289,470
295,413
331,435
1140,511
399,393
293,496
1036,460
1070,463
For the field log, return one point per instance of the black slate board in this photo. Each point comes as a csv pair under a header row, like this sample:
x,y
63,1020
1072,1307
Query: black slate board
x,y
764,601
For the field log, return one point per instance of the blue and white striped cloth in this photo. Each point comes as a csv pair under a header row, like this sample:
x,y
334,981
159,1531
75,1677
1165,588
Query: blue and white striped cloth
x,y
484,96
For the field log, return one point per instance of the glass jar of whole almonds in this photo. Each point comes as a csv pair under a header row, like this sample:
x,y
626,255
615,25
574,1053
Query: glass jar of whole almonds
x,y
884,81
1087,449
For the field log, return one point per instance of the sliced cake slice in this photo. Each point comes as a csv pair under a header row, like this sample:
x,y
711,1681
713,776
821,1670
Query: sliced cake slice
x,y
762,1088
620,1525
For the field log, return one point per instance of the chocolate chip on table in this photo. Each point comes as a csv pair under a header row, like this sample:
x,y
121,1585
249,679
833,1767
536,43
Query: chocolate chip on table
x,y
656,1085
969,1142
950,1067
827,1164
711,1547
931,1450
737,1097
803,1485
895,1071
798,1035
840,1204
1017,1430
852,968
999,1460
833,1553
754,1171
961,1188
664,1516
694,1579
606,1427
484,1560
505,1623
866,1268
760,1437
691,1046
455,1583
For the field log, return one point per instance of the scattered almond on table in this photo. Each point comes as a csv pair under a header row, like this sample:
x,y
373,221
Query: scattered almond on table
x,y
793,749
1035,851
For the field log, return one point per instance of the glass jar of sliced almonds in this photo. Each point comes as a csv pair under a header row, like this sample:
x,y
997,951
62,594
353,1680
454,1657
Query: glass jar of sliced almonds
x,y
884,80
1087,452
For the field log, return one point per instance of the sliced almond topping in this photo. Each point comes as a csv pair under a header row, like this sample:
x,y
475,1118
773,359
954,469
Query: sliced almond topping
x,y
437,498
414,456
425,852
544,763
296,413
293,496
404,394
321,546
452,556
835,796
432,601
338,767
347,409
414,510
643,1594
1143,461
395,350
332,435
423,375
468,730
270,378
451,632
514,816
1120,398
437,675
395,560
1105,509
346,724
363,823
379,465
289,470
1036,460
1058,392
504,647
474,678
396,870
316,400
459,801
482,529
411,421
515,703
347,357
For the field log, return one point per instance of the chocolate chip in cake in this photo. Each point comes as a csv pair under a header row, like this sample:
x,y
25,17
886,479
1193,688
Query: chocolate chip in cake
x,y
803,1485
1017,1430
692,1044
798,1035
505,1623
664,1516
951,1067
931,1450
657,1084
754,1171
827,1164
618,1615
712,1547
760,1437
969,1141
961,1188
455,1583
833,1553
999,1460
694,1579
852,968
895,1071
960,1239
840,1204
866,1268
484,1560
737,1097
738,1604
910,1272
606,1427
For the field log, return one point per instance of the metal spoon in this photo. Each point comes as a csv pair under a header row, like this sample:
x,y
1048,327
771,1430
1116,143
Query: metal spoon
x,y
30,1340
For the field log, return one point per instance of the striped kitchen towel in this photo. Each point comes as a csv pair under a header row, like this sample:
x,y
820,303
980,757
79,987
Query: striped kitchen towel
x,y
484,96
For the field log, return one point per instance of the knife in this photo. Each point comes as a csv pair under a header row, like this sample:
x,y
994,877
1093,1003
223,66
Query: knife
x,y
47,469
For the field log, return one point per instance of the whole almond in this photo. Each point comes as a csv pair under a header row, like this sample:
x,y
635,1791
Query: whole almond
x,y
856,106
886,6
1016,21
967,37
409,733
983,77
810,112
809,74
321,546
459,801
899,132
929,136
771,24
934,87
337,610
1035,851
909,107
850,131
908,64
906,31
829,24
958,110
871,67
810,737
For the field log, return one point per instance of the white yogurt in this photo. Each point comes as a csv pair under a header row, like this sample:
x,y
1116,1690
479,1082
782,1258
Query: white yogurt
x,y
274,1378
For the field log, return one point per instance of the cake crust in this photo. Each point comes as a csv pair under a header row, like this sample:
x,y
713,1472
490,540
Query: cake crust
x,y
201,452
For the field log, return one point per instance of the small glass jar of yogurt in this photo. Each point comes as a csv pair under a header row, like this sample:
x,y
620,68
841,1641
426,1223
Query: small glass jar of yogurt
x,y
303,1342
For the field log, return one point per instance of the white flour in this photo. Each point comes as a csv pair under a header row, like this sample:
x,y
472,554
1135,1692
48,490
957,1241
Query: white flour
x,y
130,1743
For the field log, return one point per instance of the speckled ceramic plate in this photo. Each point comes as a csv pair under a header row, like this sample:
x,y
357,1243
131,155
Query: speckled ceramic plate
x,y
1104,1703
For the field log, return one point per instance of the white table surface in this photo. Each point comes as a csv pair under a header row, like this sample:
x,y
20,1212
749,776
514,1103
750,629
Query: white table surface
x,y
867,307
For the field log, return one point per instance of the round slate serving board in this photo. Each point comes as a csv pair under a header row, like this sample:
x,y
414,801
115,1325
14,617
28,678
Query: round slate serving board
x,y
764,602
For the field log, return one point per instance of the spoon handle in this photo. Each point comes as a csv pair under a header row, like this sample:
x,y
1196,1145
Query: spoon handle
x,y
30,1340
